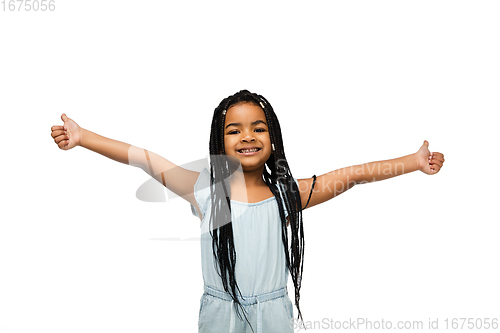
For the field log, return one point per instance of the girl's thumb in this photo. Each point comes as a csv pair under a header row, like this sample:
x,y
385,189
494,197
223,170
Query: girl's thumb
x,y
64,117
426,142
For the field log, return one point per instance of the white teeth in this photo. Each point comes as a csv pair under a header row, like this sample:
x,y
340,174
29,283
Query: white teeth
x,y
249,150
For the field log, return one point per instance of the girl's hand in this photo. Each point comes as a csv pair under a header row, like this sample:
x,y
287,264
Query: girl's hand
x,y
67,136
427,162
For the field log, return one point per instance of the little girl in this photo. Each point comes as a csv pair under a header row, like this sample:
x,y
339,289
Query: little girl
x,y
250,208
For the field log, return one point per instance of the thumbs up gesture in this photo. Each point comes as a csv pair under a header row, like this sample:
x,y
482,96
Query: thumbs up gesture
x,y
67,136
427,162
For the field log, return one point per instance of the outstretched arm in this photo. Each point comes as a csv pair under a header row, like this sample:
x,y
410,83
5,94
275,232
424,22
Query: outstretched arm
x,y
331,184
177,179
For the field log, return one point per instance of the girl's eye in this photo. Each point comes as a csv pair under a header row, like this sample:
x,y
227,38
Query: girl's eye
x,y
260,130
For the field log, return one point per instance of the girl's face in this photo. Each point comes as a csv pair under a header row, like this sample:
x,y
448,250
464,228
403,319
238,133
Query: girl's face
x,y
245,128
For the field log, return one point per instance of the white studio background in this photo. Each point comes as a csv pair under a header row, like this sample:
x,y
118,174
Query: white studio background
x,y
351,82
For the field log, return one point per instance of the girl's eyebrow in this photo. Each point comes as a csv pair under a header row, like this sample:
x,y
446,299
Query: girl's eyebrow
x,y
254,123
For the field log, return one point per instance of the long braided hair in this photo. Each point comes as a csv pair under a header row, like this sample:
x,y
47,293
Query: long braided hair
x,y
278,176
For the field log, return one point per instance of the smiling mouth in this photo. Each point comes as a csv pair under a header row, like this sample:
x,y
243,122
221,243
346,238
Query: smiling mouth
x,y
248,151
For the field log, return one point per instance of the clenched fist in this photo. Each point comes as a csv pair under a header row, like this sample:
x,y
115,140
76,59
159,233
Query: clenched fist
x,y
67,136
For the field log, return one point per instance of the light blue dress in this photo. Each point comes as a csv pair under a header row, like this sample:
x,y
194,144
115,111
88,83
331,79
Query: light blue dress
x,y
261,271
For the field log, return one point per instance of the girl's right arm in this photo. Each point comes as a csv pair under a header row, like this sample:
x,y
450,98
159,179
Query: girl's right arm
x,y
179,180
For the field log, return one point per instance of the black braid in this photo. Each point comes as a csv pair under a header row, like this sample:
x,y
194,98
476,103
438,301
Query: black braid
x,y
221,228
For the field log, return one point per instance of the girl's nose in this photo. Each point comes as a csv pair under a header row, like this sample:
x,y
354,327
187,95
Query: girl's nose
x,y
248,137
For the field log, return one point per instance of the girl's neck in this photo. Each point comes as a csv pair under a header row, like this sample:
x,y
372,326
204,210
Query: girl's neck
x,y
248,179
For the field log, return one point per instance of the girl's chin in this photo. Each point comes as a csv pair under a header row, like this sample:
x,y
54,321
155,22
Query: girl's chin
x,y
251,161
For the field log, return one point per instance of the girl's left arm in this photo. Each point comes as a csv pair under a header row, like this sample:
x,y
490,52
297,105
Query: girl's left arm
x,y
331,184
